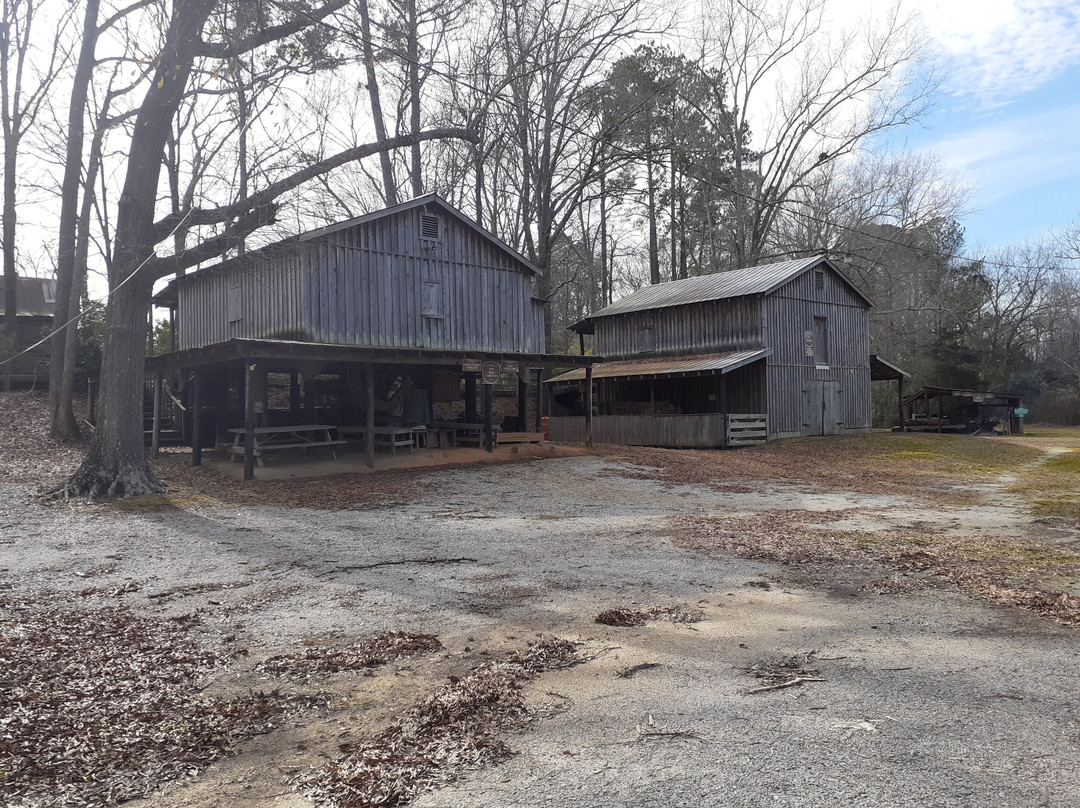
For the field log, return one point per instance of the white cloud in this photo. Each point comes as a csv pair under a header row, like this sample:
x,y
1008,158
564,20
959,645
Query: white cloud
x,y
995,50
1023,152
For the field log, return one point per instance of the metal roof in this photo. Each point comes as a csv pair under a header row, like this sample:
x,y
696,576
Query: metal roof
x,y
668,366
34,297
757,280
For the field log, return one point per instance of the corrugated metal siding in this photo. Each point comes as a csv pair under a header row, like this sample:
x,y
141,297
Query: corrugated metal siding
x,y
364,285
715,326
789,314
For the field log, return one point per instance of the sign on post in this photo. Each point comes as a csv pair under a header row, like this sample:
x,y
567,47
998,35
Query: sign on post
x,y
1020,412
491,372
470,365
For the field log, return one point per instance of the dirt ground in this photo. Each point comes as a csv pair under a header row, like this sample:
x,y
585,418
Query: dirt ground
x,y
904,607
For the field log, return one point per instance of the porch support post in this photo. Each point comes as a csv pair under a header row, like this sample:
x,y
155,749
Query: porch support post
x,y
294,392
939,403
196,418
369,443
538,424
309,393
900,402
488,443
581,342
155,435
470,398
588,406
250,370
523,397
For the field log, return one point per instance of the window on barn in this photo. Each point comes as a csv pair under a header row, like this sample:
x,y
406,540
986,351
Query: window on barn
x,y
819,281
821,341
430,227
431,302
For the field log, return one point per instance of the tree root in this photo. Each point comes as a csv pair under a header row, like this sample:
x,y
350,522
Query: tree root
x,y
94,481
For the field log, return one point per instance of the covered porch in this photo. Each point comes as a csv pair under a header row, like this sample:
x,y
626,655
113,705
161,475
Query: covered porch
x,y
254,399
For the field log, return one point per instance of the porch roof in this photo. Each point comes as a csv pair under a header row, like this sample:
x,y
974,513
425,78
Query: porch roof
x,y
668,366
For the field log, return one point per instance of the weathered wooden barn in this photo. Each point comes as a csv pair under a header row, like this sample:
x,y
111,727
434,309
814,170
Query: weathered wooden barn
x,y
365,325
778,350
35,305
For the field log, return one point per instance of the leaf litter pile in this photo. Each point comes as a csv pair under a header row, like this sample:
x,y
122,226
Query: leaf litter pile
x,y
102,706
370,653
1008,573
454,729
784,673
635,617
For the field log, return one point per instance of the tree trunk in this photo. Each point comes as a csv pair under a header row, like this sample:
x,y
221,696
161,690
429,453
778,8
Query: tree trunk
x,y
61,361
414,94
389,184
116,465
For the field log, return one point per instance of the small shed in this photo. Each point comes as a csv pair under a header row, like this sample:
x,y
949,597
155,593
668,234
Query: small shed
x,y
785,345
35,307
948,409
368,324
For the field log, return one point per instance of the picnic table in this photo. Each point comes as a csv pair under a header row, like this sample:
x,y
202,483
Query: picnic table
x,y
459,432
274,438
392,436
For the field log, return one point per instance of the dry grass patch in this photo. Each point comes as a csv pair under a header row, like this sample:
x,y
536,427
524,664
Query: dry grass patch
x,y
1020,573
636,617
928,466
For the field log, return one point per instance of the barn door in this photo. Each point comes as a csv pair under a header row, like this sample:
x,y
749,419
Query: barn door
x,y
830,408
821,408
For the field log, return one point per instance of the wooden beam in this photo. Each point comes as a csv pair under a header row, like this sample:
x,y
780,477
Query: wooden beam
x,y
522,397
250,370
196,418
540,373
900,402
369,443
294,391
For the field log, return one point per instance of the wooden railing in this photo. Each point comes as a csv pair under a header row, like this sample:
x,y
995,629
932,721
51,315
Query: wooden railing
x,y
681,431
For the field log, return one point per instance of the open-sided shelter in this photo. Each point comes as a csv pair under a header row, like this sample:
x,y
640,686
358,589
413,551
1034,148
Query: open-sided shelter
x,y
777,350
370,320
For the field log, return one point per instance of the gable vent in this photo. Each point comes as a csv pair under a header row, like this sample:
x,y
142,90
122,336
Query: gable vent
x,y
429,227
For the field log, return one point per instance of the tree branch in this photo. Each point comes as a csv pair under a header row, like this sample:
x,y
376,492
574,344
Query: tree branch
x,y
275,33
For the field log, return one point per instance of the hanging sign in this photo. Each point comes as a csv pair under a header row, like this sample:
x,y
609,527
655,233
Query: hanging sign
x,y
470,365
491,372
1020,412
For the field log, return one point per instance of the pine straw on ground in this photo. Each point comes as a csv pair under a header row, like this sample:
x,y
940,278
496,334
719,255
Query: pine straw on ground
x,y
620,617
928,466
1008,573
99,706
453,730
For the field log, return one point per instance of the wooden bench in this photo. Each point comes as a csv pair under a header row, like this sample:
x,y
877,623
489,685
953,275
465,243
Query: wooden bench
x,y
274,438
521,437
392,436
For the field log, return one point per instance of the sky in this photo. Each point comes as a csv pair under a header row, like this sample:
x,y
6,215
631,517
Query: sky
x,y
1008,118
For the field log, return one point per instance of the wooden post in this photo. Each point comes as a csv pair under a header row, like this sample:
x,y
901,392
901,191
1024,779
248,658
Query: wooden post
x,y
250,369
538,424
155,435
309,394
369,444
588,406
172,330
470,398
652,395
581,342
939,413
523,397
294,392
488,443
196,419
900,402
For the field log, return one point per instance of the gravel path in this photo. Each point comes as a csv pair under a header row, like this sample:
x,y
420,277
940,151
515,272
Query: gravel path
x,y
929,698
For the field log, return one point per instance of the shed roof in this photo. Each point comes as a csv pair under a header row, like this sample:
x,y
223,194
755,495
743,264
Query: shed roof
x,y
34,297
758,280
669,366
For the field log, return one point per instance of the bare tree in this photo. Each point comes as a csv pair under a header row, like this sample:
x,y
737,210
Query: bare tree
x,y
801,97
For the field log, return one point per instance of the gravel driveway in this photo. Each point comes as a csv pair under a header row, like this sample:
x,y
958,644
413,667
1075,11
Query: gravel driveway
x,y
920,698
